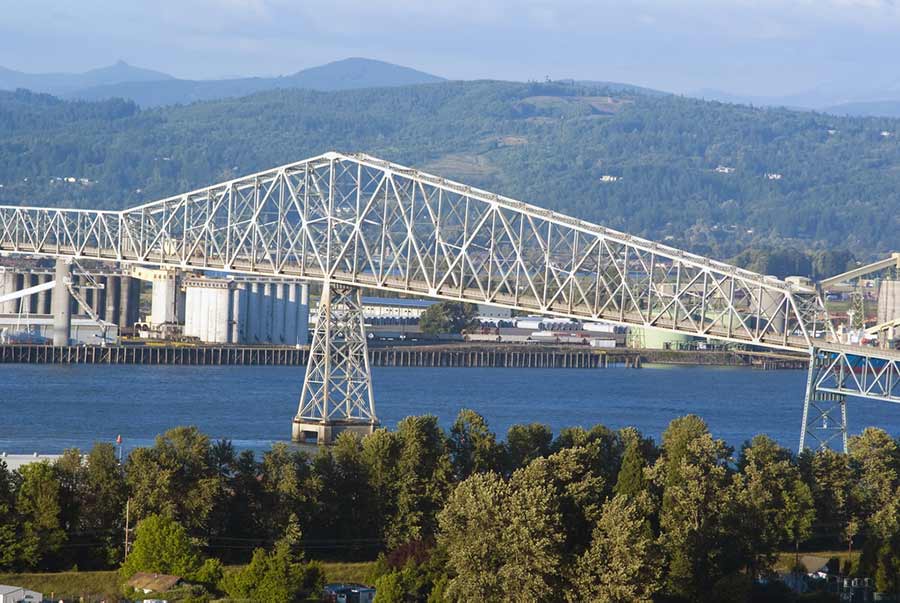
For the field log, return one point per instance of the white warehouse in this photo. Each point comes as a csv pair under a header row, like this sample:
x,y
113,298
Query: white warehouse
x,y
246,311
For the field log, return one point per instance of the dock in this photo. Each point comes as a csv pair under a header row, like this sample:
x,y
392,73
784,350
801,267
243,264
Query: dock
x,y
456,355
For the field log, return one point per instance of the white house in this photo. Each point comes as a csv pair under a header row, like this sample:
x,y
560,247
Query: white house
x,y
17,594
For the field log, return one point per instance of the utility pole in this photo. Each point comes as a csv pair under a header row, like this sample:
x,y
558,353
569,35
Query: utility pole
x,y
127,527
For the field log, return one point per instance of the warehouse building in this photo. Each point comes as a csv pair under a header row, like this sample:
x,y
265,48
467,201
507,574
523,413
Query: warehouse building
x,y
246,311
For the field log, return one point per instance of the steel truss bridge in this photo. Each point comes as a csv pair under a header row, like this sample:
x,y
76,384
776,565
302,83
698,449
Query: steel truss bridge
x,y
352,221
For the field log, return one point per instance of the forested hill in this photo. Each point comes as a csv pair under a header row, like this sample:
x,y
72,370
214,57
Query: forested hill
x,y
646,164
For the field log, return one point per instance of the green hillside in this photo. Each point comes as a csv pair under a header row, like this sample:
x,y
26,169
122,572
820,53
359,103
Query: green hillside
x,y
793,179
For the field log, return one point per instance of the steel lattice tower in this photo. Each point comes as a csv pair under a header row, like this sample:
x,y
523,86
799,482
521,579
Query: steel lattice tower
x,y
337,391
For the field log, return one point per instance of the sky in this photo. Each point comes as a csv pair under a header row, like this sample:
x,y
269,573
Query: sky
x,y
748,47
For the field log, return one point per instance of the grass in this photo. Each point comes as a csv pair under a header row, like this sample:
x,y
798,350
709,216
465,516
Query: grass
x,y
786,560
68,585
95,586
347,572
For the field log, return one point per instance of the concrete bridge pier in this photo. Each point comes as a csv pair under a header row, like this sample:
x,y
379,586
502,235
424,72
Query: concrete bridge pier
x,y
61,305
337,391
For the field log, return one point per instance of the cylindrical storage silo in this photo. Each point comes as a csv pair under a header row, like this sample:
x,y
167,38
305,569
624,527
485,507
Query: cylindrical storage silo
x,y
303,315
278,308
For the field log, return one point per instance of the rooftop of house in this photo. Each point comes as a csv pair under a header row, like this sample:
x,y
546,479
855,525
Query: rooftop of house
x,y
158,583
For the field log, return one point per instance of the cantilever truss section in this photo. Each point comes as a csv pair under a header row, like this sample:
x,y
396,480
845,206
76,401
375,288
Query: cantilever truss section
x,y
844,370
357,220
338,384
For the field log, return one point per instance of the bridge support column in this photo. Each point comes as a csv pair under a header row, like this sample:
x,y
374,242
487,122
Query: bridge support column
x,y
337,391
61,305
824,413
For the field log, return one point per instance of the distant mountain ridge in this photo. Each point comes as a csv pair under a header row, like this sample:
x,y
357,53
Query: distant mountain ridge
x,y
62,84
884,108
881,99
711,177
150,88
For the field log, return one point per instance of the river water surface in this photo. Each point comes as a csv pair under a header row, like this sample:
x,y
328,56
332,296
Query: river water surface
x,y
47,408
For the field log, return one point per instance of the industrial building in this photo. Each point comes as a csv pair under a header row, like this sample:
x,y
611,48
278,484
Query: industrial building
x,y
39,329
395,311
888,302
19,594
246,311
112,296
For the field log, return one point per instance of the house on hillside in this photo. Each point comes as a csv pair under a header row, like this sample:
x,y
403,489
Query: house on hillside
x,y
18,594
153,583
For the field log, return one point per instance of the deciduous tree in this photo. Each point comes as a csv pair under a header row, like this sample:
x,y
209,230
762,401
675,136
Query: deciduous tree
x,y
622,563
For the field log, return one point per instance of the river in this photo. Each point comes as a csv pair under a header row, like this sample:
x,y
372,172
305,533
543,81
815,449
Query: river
x,y
47,408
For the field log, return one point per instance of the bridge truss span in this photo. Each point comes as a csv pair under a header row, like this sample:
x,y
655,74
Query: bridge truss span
x,y
351,220
357,220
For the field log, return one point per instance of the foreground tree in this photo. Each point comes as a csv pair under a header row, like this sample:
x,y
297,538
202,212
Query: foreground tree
x,y
830,480
343,509
775,505
9,549
875,457
424,473
103,500
524,443
502,538
697,520
162,545
630,480
473,446
176,477
622,563
38,505
274,576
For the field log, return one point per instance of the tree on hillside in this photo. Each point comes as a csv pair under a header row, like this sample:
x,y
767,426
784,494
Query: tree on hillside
x,y
448,317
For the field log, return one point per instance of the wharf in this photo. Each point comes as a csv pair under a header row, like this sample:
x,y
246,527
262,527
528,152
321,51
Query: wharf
x,y
461,355
454,355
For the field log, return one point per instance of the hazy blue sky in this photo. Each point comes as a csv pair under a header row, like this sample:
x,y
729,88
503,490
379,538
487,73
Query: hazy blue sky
x,y
744,46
